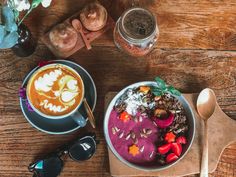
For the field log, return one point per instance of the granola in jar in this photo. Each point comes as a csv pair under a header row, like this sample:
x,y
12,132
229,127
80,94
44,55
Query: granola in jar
x,y
136,32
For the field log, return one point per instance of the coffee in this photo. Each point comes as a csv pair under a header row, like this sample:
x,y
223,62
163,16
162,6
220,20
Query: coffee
x,y
55,90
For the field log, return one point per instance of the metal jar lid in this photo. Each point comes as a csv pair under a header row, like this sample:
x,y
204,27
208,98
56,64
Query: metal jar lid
x,y
137,25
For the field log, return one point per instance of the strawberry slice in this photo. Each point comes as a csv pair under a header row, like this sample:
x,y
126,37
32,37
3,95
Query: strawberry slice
x,y
176,148
164,149
181,140
171,157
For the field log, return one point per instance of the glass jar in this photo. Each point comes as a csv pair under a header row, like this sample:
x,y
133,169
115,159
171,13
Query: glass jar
x,y
26,44
136,32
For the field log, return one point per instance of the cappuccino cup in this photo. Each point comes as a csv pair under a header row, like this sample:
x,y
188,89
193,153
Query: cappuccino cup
x,y
56,91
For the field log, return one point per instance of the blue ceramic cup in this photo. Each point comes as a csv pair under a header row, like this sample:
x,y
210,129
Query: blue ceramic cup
x,y
73,114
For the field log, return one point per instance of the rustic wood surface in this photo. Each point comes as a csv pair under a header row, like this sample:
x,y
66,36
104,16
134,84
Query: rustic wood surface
x,y
196,49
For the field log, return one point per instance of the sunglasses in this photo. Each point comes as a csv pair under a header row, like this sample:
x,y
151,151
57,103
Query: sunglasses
x,y
79,150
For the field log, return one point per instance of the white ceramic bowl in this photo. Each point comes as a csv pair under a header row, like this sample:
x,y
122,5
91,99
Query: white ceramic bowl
x,y
190,136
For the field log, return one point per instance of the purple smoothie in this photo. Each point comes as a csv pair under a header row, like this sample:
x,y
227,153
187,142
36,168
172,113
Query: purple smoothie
x,y
122,145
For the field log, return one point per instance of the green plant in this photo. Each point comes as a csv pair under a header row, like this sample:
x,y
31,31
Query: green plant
x,y
9,19
8,28
163,88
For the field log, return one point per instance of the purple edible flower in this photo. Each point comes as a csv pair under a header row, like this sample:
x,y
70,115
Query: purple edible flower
x,y
30,109
22,93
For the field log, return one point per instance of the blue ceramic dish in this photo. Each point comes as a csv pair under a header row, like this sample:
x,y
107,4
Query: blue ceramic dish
x,y
61,126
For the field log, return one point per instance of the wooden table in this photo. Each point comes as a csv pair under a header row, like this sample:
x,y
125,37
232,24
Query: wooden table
x,y
196,49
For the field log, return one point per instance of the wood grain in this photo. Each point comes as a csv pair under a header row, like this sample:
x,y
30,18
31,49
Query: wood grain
x,y
184,24
186,28
188,70
191,24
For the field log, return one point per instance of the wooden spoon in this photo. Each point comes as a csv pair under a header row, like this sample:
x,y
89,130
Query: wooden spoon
x,y
89,113
78,26
206,104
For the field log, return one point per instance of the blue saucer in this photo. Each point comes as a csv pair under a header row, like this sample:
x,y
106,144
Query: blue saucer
x,y
62,126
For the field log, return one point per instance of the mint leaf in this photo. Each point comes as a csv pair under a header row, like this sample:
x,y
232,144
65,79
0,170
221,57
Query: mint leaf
x,y
174,91
162,88
156,91
160,83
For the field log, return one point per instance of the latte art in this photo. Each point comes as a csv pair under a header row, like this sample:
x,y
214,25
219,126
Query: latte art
x,y
66,97
56,90
45,83
52,107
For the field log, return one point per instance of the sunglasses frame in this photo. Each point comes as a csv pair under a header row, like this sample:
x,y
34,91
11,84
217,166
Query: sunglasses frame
x,y
36,172
63,150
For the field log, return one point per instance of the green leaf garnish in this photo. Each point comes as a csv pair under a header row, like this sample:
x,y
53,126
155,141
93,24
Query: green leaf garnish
x,y
174,91
160,83
162,88
156,91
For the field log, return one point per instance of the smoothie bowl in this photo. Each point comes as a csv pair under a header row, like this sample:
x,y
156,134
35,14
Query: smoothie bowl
x,y
149,125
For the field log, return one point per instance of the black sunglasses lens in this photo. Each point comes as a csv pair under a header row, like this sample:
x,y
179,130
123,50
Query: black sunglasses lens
x,y
50,167
83,149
